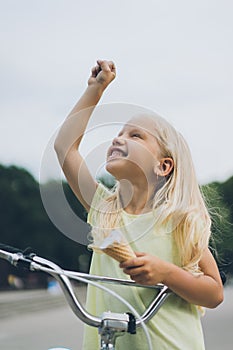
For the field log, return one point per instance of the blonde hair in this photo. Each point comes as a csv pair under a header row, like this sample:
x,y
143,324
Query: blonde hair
x,y
178,200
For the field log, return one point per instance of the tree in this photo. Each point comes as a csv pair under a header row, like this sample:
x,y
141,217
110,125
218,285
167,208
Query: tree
x,y
24,223
221,242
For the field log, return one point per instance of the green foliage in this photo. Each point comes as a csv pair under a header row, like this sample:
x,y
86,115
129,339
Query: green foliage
x,y
221,242
25,223
107,180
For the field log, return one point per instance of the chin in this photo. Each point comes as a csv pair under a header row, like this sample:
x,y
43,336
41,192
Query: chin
x,y
110,168
113,169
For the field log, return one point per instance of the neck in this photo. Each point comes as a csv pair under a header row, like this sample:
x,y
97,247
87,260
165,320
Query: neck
x,y
136,199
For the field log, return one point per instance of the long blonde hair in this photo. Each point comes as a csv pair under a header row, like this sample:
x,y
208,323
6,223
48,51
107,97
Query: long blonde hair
x,y
178,200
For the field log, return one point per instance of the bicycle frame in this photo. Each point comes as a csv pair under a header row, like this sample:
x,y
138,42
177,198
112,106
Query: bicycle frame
x,y
110,325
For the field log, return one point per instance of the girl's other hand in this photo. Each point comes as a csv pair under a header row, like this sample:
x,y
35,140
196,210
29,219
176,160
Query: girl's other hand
x,y
102,74
146,269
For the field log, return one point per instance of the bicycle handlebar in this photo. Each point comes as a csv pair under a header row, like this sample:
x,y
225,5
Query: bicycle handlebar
x,y
33,262
110,325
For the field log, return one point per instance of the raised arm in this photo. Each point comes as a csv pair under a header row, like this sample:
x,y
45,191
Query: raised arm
x,y
71,133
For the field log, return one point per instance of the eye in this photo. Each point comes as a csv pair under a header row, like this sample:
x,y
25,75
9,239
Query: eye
x,y
136,135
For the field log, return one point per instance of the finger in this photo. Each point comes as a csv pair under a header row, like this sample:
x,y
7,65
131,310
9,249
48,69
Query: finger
x,y
107,66
139,261
104,65
131,273
140,254
128,263
112,66
95,70
133,270
140,279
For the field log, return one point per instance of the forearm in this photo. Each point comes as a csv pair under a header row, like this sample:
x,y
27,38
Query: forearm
x,y
72,130
200,290
88,100
204,290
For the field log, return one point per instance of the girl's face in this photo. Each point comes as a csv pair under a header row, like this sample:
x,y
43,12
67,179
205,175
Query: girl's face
x,y
134,153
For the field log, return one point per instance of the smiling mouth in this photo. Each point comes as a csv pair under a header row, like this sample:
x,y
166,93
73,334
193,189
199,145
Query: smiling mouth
x,y
116,153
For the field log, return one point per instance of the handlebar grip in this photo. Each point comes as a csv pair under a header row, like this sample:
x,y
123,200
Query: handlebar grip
x,y
17,257
10,249
26,252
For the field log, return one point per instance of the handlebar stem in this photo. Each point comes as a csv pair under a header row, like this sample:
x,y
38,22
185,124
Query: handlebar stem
x,y
112,326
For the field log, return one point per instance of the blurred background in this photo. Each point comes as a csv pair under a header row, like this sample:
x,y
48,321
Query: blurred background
x,y
172,57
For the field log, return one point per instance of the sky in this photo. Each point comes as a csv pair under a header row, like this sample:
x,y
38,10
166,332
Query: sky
x,y
172,57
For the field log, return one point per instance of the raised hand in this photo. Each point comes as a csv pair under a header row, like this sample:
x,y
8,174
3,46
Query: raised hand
x,y
103,73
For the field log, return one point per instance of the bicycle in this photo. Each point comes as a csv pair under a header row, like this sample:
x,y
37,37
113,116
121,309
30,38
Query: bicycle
x,y
110,325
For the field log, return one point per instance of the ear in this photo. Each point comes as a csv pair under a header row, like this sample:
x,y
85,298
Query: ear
x,y
165,167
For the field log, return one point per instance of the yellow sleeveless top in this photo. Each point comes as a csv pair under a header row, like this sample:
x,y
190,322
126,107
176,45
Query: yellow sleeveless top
x,y
176,326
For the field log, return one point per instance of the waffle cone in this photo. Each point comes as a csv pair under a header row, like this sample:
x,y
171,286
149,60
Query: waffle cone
x,y
119,252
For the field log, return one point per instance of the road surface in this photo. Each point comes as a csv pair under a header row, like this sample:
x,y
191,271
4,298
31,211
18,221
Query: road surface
x,y
55,325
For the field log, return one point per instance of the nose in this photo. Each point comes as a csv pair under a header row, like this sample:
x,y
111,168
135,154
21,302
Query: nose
x,y
118,140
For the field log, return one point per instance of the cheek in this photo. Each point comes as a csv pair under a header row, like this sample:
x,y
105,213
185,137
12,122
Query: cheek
x,y
143,157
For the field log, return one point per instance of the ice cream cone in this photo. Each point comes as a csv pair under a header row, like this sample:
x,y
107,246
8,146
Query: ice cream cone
x,y
119,252
114,245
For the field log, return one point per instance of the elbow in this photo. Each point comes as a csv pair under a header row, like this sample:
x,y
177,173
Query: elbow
x,y
59,150
217,300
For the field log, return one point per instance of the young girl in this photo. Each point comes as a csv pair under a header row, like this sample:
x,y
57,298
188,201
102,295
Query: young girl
x,y
158,207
